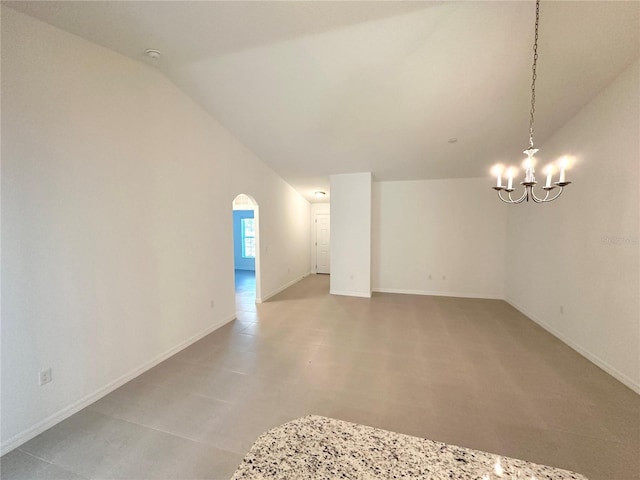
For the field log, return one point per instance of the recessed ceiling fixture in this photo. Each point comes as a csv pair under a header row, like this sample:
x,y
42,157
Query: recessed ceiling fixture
x,y
155,54
529,162
319,194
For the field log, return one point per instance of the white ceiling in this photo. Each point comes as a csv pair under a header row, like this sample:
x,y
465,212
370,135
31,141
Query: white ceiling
x,y
318,88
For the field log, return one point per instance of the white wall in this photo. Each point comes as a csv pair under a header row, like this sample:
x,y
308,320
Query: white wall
x,y
451,230
117,195
315,209
582,251
351,234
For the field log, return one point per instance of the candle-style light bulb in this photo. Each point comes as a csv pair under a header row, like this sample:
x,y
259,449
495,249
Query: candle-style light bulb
x,y
549,171
497,172
510,178
563,166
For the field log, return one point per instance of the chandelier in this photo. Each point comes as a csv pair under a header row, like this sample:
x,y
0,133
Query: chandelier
x,y
529,162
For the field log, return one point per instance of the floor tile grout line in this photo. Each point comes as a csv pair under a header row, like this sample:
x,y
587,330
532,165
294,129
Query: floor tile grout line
x,y
49,462
167,387
173,434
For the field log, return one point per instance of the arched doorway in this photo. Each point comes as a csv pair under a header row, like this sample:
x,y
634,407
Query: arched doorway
x,y
246,251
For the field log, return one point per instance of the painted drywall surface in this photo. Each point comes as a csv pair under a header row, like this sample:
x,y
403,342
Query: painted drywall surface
x,y
117,195
240,262
351,234
315,209
438,237
581,252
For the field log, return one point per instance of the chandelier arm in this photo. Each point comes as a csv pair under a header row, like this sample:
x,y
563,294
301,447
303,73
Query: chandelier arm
x,y
504,199
511,200
554,197
521,199
540,200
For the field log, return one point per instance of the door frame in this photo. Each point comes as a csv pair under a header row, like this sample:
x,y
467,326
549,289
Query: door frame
x,y
256,216
315,241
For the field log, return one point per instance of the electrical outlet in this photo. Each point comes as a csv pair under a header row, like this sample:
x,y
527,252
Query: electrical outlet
x,y
213,304
45,377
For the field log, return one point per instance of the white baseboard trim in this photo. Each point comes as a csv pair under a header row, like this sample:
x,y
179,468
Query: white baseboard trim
x,y
347,293
438,294
264,298
614,372
75,407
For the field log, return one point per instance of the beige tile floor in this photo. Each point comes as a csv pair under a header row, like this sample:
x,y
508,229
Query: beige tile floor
x,y
470,372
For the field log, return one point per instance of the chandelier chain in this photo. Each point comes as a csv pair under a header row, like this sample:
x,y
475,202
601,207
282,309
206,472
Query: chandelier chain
x,y
534,76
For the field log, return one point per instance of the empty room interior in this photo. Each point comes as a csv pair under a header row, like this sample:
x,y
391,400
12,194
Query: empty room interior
x,y
309,239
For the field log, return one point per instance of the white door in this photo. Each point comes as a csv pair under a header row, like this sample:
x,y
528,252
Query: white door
x,y
323,237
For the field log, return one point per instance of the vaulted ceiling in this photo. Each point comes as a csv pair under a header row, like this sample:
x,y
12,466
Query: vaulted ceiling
x,y
318,88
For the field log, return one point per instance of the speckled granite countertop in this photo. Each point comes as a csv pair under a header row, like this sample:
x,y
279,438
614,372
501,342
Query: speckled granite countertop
x,y
316,447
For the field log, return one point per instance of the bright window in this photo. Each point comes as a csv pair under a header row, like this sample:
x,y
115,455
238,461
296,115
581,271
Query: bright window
x,y
248,238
